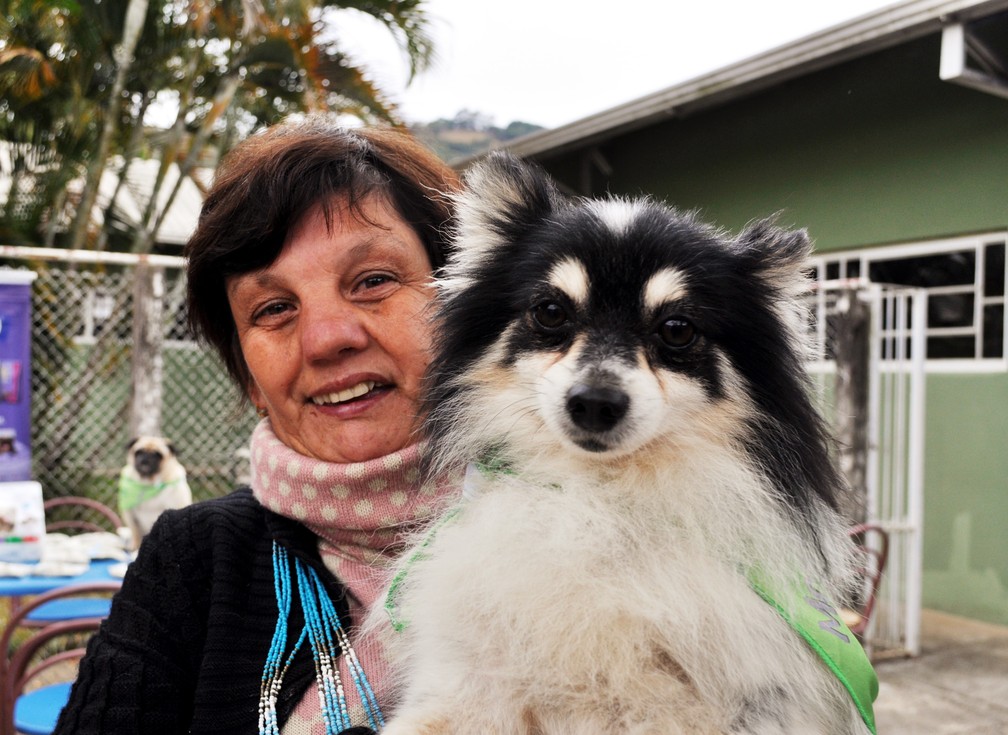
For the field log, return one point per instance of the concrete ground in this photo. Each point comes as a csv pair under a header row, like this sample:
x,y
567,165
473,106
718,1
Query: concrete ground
x,y
959,683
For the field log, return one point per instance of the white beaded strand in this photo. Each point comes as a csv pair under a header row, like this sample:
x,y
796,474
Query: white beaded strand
x,y
328,639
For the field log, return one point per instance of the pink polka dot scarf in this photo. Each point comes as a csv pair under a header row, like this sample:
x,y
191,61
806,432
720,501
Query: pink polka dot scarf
x,y
361,514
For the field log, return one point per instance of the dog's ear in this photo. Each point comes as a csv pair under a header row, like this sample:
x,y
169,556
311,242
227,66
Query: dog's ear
x,y
503,197
131,442
171,448
777,256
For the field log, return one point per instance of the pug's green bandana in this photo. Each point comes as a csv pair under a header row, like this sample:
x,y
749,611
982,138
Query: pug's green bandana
x,y
132,492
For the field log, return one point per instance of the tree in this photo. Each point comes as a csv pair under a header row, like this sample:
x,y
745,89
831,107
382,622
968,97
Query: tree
x,y
136,13
225,67
45,115
263,66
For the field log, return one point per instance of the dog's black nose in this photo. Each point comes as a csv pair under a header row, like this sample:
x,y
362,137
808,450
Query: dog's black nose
x,y
594,408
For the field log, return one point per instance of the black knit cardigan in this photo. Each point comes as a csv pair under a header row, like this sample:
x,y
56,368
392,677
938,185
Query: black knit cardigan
x,y
184,646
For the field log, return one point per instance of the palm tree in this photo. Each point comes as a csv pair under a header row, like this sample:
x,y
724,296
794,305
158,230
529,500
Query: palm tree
x,y
228,66
136,15
46,117
276,61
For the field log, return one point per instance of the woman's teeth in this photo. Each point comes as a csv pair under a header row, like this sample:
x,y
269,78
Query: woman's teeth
x,y
345,395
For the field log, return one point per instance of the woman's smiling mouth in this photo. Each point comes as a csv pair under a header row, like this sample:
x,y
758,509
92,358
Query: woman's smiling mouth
x,y
343,396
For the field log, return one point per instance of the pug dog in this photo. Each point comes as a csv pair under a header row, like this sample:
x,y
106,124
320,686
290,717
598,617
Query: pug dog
x,y
152,482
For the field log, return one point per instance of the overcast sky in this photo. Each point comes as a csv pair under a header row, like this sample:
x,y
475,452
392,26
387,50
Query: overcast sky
x,y
554,61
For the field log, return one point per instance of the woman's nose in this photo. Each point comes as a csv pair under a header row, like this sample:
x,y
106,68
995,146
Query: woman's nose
x,y
330,328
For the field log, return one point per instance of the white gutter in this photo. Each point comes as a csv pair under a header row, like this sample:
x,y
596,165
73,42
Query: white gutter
x,y
881,29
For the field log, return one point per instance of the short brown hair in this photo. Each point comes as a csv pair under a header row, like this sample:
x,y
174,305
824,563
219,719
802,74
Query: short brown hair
x,y
268,182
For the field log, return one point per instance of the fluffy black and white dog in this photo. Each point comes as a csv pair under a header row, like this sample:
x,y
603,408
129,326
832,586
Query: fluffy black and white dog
x,y
629,385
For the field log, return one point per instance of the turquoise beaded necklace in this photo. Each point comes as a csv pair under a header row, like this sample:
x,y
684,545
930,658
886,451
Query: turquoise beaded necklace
x,y
328,639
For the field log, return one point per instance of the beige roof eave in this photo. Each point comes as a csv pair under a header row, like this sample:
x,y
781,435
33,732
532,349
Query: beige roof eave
x,y
881,29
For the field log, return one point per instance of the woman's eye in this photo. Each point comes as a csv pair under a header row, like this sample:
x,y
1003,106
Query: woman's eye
x,y
273,309
375,285
375,281
677,333
549,315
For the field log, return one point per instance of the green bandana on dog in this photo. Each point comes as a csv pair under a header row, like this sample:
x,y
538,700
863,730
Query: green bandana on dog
x,y
818,622
132,492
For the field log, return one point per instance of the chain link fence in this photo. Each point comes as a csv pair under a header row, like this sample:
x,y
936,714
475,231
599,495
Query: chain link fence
x,y
82,356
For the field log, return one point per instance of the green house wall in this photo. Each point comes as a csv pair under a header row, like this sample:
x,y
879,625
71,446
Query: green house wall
x,y
873,151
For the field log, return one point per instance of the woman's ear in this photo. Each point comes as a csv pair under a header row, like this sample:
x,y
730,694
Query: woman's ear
x,y
256,396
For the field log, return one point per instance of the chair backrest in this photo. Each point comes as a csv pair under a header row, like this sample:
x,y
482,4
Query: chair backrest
x,y
20,666
872,541
24,668
72,513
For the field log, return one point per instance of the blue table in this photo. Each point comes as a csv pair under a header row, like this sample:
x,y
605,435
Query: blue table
x,y
97,571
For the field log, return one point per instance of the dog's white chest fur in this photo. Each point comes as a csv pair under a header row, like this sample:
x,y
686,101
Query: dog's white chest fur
x,y
549,610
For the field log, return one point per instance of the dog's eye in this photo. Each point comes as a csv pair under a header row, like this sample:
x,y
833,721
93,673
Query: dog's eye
x,y
677,333
549,315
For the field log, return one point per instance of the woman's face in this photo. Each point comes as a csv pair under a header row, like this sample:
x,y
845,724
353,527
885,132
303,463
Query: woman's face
x,y
335,334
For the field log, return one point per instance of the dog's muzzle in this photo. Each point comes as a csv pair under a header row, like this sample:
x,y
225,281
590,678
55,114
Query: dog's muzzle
x,y
147,462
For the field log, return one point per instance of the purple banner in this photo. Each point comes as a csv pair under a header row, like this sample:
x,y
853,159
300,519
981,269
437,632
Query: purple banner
x,y
15,375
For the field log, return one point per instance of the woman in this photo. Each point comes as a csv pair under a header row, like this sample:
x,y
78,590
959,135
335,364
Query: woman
x,y
309,273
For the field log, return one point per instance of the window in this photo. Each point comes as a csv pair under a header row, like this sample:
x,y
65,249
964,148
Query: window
x,y
965,281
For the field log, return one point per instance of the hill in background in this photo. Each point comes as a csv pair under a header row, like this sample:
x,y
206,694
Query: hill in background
x,y
468,134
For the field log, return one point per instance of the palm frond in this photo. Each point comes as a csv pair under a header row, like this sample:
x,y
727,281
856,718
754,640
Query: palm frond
x,y
406,20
